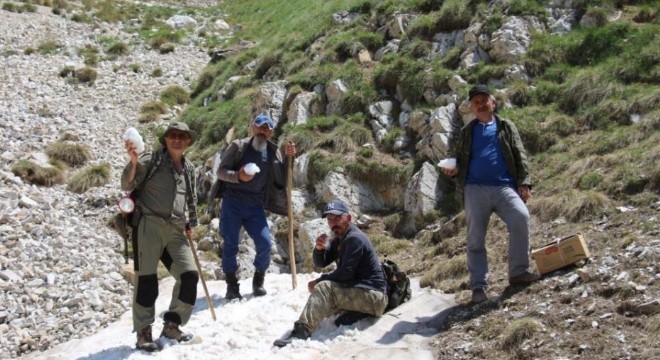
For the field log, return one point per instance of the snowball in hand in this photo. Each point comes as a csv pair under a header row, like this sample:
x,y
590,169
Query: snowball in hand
x,y
134,137
447,163
251,169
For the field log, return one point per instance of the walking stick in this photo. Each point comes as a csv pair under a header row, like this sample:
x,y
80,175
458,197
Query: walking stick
x,y
201,276
292,251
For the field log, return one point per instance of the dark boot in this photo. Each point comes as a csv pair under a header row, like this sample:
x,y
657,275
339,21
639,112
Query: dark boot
x,y
145,341
232,287
258,283
350,317
171,331
300,331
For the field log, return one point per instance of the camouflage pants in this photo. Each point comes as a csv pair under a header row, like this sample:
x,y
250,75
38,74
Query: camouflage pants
x,y
330,298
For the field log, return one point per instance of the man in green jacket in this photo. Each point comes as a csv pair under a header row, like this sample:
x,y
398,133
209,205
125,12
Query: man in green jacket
x,y
165,182
493,176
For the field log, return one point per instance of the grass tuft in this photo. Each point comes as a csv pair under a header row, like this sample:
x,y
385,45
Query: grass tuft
x,y
71,154
89,177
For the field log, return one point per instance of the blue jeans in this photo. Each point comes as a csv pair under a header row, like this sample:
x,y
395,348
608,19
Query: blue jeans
x,y
233,215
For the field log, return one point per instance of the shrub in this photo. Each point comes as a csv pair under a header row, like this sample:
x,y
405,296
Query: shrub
x,y
154,106
49,47
518,331
71,154
118,48
174,95
158,72
587,88
519,93
166,48
590,180
66,71
38,175
89,177
646,14
134,68
148,116
85,75
454,15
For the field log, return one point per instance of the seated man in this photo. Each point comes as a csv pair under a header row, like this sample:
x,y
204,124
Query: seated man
x,y
357,286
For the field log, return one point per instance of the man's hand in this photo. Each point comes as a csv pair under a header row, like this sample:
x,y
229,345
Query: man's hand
x,y
311,285
243,176
450,171
190,232
290,149
131,149
321,242
524,192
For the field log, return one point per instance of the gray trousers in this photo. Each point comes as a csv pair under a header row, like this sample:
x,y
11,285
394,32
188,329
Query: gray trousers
x,y
480,202
330,298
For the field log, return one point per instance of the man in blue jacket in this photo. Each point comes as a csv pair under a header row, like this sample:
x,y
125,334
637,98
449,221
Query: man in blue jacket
x,y
357,286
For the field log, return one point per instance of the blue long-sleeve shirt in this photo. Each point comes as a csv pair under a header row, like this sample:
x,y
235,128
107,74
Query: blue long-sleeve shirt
x,y
357,262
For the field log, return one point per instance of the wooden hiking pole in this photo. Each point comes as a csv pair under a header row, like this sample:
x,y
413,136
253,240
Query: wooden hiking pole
x,y
201,276
292,251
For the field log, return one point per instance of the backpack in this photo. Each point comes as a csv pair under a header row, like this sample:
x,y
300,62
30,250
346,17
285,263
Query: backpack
x,y
398,284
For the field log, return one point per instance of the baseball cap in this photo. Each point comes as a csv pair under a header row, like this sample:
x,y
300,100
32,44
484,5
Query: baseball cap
x,y
265,119
478,89
335,207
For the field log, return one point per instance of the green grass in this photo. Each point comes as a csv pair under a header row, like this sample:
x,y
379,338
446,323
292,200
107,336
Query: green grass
x,y
89,177
72,154
39,175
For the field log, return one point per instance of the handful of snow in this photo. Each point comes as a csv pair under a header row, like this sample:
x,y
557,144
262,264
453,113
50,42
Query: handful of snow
x,y
134,137
447,163
251,169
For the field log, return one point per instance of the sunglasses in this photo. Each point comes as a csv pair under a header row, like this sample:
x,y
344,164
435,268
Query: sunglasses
x,y
261,120
178,136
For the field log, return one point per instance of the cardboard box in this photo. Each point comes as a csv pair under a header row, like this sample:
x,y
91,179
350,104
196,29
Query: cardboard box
x,y
560,253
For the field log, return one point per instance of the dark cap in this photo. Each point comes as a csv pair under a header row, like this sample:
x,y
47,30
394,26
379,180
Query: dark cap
x,y
175,125
335,207
478,89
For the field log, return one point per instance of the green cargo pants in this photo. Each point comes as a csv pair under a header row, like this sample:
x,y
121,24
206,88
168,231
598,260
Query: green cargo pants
x,y
330,298
154,237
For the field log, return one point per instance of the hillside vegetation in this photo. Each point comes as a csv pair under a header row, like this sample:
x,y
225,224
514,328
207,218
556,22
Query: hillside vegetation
x,y
588,114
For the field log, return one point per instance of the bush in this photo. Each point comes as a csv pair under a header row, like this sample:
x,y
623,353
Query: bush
x,y
154,106
174,95
158,72
166,48
134,68
518,331
71,154
38,175
89,177
454,15
118,48
149,116
85,75
49,47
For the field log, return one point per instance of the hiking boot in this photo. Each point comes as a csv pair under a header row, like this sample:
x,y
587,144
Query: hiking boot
x,y
232,287
145,341
525,278
258,283
171,331
350,317
300,331
479,296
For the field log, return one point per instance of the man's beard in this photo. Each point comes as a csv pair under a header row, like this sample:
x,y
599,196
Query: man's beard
x,y
259,143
